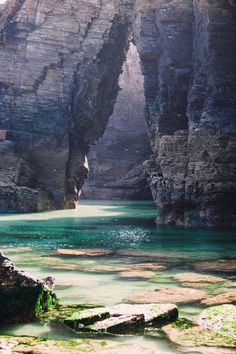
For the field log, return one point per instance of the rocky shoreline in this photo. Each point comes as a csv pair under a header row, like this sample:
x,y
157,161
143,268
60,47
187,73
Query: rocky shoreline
x,y
60,68
211,331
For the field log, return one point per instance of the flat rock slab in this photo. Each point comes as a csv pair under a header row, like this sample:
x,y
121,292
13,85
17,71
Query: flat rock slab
x,y
191,338
220,266
191,277
149,266
105,269
169,295
120,324
158,314
83,252
101,319
137,274
220,319
225,298
79,320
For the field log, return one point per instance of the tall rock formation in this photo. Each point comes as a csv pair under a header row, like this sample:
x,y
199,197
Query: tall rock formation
x,y
60,63
59,72
116,160
188,51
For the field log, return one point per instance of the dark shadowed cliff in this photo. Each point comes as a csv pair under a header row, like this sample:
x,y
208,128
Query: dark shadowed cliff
x,y
60,63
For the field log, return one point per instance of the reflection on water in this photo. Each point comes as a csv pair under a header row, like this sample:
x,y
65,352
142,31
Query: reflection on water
x,y
127,229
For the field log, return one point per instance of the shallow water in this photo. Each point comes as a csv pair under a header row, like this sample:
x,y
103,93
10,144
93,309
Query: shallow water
x,y
128,229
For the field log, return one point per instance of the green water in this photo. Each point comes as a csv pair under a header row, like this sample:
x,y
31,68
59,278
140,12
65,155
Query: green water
x,y
127,228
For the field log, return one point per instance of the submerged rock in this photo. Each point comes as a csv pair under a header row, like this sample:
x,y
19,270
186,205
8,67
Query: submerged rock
x,y
172,295
219,266
191,277
225,298
137,274
22,297
84,252
220,319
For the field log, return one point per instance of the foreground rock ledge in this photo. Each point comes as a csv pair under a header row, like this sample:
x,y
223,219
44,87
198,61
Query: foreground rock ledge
x,y
24,297
123,318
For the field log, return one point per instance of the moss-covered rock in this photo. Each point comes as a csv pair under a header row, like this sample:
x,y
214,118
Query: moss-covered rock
x,y
122,318
220,319
24,297
193,338
78,320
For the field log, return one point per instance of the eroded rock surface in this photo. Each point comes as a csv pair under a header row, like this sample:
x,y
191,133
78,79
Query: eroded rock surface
x,y
188,53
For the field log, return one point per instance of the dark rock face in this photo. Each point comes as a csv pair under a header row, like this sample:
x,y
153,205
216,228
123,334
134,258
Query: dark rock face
x,y
188,52
23,297
59,84
115,162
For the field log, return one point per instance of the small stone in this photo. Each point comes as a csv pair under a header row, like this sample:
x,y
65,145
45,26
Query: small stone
x,y
196,278
225,298
170,295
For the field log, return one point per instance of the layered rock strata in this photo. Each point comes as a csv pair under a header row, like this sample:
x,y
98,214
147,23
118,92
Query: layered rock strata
x,y
188,53
60,66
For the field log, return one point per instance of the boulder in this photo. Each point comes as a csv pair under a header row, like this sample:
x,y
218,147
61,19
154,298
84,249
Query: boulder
x,y
24,297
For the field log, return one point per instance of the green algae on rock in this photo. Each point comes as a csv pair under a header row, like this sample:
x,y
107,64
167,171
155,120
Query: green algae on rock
x,y
86,318
24,297
220,319
191,337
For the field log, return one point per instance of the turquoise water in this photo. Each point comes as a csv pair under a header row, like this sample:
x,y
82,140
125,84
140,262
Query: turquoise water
x,y
126,228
